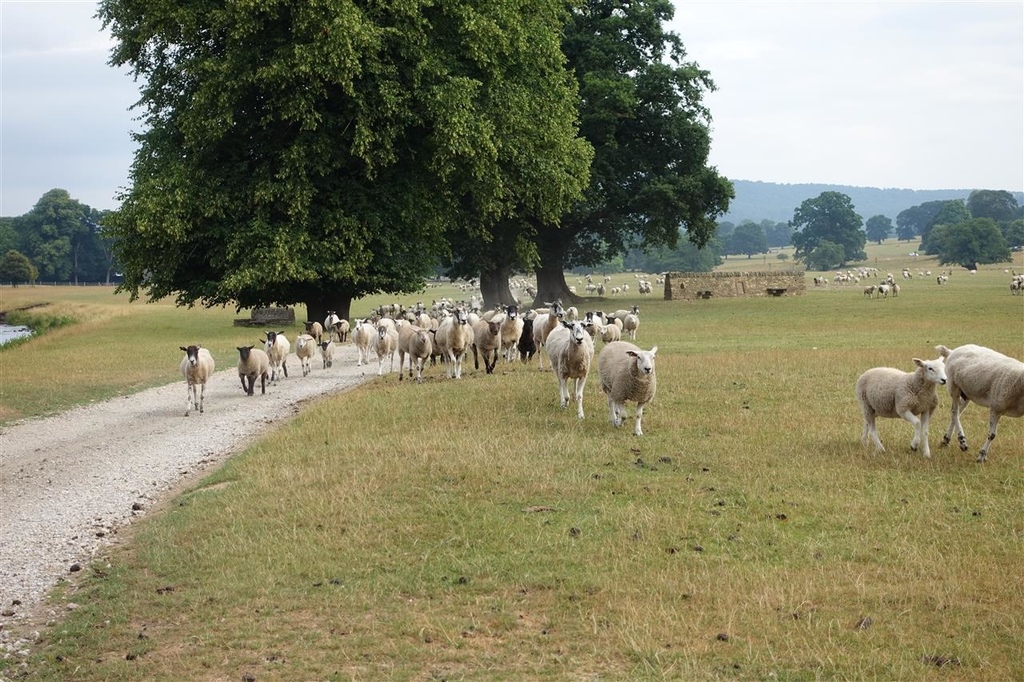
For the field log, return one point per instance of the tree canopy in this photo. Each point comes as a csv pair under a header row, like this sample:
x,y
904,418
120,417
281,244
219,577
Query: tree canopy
x,y
999,205
828,217
15,267
975,241
317,152
950,212
641,109
877,228
748,238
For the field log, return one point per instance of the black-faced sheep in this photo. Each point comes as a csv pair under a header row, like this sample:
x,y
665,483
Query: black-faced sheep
x,y
197,367
893,394
278,348
527,346
327,353
314,329
570,351
627,373
987,377
252,363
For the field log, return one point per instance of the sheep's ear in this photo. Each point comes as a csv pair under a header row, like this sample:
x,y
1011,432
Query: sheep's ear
x,y
654,350
183,348
633,354
919,362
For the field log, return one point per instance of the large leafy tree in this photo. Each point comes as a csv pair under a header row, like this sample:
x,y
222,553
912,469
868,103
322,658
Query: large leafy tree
x,y
969,243
828,217
59,236
912,222
952,212
999,205
877,228
317,152
748,238
641,109
15,267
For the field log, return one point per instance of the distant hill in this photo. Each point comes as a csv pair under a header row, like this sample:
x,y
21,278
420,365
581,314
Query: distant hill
x,y
758,201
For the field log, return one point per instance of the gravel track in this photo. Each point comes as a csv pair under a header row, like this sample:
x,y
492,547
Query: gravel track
x,y
70,481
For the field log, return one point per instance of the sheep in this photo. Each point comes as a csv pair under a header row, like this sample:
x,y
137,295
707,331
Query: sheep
x,y
631,322
610,332
543,325
305,348
883,290
627,373
362,336
327,353
486,342
570,351
253,362
511,331
895,289
454,337
869,291
987,377
417,343
314,329
893,393
331,323
277,347
527,346
385,344
342,329
197,367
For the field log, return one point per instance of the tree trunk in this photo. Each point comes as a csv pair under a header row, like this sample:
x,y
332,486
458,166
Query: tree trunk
x,y
317,307
551,284
494,286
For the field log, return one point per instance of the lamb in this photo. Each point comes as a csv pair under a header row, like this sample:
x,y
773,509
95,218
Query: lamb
x,y
342,329
453,338
314,329
631,322
417,343
511,331
987,377
610,332
570,352
527,346
327,353
332,325
385,344
277,347
305,348
486,342
627,373
197,367
543,325
363,334
893,393
253,362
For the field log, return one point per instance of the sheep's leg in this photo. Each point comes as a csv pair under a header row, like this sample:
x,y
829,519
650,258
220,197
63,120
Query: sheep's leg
x,y
563,391
957,406
637,430
871,432
993,424
202,396
191,399
916,423
580,382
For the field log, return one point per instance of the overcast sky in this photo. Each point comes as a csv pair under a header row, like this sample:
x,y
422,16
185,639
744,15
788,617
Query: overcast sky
x,y
917,95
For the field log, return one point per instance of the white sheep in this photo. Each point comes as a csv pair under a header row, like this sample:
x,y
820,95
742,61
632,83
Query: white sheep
x,y
631,322
197,367
892,393
305,349
543,325
627,373
570,351
417,343
385,343
363,334
277,347
610,332
987,377
453,338
252,363
327,353
511,331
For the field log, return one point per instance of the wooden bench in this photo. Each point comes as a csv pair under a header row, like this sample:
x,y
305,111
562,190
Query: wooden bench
x,y
776,291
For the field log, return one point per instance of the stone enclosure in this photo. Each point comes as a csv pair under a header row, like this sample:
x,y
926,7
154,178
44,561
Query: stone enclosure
x,y
681,286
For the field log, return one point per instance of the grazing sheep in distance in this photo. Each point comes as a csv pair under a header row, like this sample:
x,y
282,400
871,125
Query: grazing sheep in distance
x,y
252,363
987,377
869,291
892,393
305,349
197,367
327,353
570,352
627,373
277,347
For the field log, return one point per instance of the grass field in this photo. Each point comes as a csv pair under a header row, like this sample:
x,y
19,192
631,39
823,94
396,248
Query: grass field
x,y
472,530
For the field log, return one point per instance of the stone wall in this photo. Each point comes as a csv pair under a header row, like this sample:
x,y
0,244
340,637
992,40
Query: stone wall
x,y
681,286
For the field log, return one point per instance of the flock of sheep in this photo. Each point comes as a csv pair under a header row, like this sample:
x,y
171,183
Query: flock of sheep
x,y
448,333
970,372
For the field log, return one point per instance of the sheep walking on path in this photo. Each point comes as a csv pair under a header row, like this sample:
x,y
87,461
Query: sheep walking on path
x,y
418,344
987,377
893,394
570,351
363,334
278,348
385,343
253,363
627,373
327,353
305,349
197,367
453,338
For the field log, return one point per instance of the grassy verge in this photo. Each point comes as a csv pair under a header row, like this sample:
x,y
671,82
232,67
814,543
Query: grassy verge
x,y
472,530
